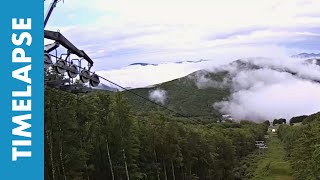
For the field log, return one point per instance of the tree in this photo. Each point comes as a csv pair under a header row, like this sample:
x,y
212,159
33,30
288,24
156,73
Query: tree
x,y
303,147
297,119
96,136
267,122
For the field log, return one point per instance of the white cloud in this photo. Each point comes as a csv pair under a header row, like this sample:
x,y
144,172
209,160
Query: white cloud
x,y
202,81
158,96
141,76
262,94
279,100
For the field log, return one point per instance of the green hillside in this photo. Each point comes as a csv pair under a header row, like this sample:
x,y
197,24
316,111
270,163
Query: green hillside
x,y
302,145
184,96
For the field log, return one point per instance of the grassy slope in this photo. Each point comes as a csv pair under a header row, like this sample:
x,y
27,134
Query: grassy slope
x,y
184,97
273,166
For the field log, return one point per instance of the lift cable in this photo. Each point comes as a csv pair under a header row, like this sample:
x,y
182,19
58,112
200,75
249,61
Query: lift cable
x,y
138,95
147,99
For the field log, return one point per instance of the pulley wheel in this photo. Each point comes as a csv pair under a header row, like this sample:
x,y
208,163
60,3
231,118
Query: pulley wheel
x,y
60,66
85,76
47,61
73,71
94,80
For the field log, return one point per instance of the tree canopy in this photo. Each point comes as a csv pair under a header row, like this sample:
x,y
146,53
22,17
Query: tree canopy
x,y
96,136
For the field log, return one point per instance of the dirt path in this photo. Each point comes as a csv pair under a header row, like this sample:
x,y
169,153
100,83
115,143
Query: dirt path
x,y
273,165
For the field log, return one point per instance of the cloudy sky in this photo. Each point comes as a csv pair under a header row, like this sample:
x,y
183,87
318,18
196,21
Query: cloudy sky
x,y
116,33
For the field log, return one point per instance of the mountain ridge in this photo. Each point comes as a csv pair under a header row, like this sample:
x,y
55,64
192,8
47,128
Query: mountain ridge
x,y
306,55
177,62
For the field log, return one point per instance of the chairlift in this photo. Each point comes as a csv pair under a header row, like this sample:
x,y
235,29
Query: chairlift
x,y
61,66
94,80
47,61
85,76
73,71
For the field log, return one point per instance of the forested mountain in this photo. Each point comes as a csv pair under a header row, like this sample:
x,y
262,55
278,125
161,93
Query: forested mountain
x,y
195,94
184,96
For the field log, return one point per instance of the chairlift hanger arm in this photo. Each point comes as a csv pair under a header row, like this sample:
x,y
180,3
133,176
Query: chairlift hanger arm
x,y
50,47
58,37
86,57
50,10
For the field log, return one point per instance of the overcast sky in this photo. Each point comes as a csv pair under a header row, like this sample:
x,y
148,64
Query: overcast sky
x,y
116,33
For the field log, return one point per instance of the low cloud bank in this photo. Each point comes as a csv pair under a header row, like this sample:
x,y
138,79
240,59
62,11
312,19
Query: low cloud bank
x,y
272,91
262,88
142,76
